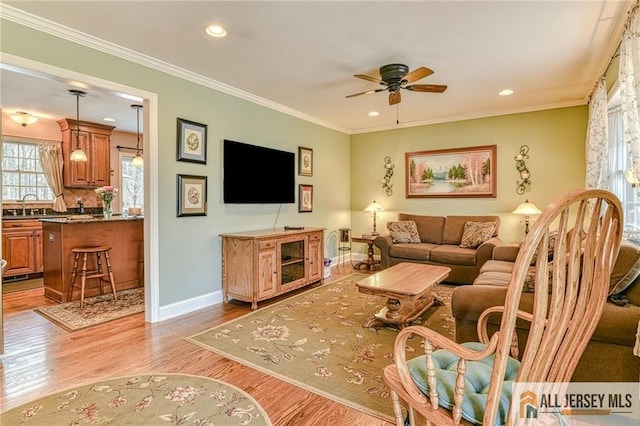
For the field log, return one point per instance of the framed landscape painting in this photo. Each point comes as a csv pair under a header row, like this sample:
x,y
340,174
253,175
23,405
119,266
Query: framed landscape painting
x,y
459,172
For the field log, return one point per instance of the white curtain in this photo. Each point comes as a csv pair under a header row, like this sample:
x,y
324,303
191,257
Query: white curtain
x,y
629,80
52,163
597,146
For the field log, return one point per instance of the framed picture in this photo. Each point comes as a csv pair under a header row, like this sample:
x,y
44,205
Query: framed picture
x,y
305,198
192,141
460,172
305,161
192,195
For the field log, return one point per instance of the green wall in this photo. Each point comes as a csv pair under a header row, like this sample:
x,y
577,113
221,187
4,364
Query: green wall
x,y
347,169
190,247
556,140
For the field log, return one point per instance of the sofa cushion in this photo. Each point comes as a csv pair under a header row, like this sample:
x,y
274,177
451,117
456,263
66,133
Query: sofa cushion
x,y
450,254
429,227
626,268
454,227
404,231
476,233
421,251
632,293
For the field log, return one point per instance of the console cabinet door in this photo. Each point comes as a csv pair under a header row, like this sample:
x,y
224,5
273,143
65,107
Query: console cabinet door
x,y
315,257
267,268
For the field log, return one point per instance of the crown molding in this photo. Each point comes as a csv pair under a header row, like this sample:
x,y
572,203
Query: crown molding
x,y
53,28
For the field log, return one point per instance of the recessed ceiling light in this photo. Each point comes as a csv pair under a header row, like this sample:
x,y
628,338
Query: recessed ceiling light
x,y
108,119
505,92
216,31
374,114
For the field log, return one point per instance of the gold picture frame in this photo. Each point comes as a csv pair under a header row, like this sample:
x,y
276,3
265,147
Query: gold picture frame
x,y
305,198
458,172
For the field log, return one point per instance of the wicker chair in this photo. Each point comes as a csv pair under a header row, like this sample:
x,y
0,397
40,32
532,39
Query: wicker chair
x,y
568,305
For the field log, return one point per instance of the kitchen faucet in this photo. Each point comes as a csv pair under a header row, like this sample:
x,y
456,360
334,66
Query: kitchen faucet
x,y
24,211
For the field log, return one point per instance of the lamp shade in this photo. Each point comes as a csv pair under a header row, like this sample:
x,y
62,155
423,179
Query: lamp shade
x,y
527,209
373,207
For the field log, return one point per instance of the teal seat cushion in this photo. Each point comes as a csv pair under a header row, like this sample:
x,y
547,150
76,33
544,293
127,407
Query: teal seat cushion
x,y
477,378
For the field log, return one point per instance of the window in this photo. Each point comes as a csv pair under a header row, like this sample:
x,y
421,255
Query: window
x,y
618,184
22,172
132,183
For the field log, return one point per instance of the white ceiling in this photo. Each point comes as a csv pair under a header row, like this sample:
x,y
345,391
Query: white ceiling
x,y
300,56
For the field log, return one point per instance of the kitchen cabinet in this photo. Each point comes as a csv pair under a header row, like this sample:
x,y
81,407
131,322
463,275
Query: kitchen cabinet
x,y
95,141
260,265
22,246
125,236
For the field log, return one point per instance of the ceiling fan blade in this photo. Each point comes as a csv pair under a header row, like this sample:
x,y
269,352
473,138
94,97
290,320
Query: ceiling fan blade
x,y
417,74
394,98
371,79
436,88
368,92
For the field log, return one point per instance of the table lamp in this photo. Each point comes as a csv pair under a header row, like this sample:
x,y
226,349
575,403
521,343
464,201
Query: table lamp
x,y
527,209
374,208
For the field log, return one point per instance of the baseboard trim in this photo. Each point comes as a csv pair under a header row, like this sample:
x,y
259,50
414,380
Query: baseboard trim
x,y
190,305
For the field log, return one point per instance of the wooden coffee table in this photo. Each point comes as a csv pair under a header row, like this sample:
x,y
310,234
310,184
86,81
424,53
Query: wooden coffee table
x,y
407,287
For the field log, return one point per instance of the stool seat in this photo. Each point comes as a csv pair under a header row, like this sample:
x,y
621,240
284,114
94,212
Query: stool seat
x,y
99,273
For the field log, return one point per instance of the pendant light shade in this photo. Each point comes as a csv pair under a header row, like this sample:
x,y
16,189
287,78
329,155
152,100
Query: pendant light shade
x,y
78,154
137,161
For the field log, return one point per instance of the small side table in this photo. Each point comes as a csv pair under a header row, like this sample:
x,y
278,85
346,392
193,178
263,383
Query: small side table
x,y
370,263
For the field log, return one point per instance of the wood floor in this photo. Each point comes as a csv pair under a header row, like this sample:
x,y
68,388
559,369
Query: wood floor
x,y
41,358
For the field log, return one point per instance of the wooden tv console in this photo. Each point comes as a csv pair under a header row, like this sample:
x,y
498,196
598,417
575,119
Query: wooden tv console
x,y
259,265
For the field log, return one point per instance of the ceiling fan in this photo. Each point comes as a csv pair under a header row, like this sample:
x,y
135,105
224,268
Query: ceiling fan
x,y
396,77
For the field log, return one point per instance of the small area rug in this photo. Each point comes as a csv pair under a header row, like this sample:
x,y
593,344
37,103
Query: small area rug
x,y
96,309
174,399
315,340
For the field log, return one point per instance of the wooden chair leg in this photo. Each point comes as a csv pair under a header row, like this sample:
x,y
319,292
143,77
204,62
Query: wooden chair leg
x,y
100,280
83,279
111,280
397,408
74,274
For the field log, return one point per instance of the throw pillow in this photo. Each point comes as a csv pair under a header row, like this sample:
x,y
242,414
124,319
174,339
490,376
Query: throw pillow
x,y
626,267
476,233
404,231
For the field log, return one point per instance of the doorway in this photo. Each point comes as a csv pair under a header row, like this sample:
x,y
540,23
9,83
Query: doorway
x,y
150,130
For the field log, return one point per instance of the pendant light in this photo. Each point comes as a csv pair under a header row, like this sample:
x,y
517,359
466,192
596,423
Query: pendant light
x,y
137,161
78,154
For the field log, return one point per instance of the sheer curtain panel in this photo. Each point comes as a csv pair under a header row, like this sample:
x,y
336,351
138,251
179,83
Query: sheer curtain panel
x,y
597,139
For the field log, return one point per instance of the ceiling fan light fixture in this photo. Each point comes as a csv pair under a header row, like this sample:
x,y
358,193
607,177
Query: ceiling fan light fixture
x,y
23,118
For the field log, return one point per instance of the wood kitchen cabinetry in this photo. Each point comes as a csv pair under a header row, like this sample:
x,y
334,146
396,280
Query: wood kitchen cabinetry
x,y
95,141
259,265
22,246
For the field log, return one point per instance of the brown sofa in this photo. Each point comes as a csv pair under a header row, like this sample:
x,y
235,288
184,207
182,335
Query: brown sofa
x,y
609,355
439,244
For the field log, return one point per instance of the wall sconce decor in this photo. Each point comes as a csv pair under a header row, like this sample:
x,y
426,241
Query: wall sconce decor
x,y
524,183
386,180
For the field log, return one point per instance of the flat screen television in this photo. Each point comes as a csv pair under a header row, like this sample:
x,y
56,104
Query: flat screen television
x,y
257,175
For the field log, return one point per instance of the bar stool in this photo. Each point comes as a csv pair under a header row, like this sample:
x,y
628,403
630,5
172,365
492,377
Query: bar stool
x,y
85,275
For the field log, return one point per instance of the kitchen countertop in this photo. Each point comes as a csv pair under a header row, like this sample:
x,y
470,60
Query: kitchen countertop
x,y
70,218
87,219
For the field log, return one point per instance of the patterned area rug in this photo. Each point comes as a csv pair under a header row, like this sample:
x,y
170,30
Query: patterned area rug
x,y
315,340
171,399
96,309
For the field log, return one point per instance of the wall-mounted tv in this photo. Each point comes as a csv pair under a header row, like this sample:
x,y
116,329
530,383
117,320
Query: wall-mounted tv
x,y
257,175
